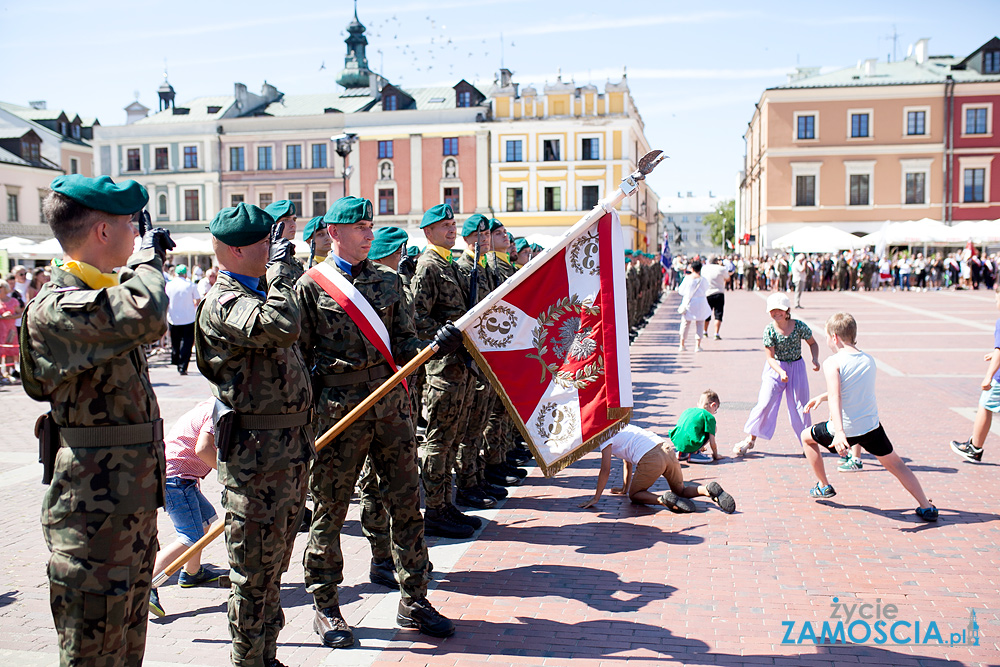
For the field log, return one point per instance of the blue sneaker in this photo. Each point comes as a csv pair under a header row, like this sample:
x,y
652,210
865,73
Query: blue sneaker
x,y
155,608
822,491
928,513
699,457
206,575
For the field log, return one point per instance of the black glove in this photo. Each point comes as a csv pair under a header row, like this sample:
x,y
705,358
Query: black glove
x,y
158,239
282,250
448,339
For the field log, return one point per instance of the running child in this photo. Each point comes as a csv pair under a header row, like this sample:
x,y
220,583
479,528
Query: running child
x,y
695,431
784,375
850,388
647,457
989,402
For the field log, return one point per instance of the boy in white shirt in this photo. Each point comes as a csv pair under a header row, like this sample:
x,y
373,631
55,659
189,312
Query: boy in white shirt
x,y
850,384
647,457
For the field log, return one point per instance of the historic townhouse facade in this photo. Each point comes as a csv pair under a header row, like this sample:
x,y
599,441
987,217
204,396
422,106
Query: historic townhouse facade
x,y
880,141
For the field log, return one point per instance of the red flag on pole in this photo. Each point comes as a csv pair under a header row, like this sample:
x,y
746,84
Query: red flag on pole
x,y
555,347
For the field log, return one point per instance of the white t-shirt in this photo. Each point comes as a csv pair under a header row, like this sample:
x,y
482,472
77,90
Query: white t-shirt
x,y
798,271
716,275
184,298
631,443
858,406
203,287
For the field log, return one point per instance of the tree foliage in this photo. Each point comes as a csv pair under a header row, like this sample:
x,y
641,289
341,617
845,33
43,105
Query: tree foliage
x,y
723,219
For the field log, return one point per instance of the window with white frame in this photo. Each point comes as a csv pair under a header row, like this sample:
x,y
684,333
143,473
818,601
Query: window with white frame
x,y
161,158
916,121
133,159
191,159
590,148
319,156
515,199
553,198
975,174
161,205
237,158
859,123
805,125
859,176
265,158
589,196
915,181
293,156
514,150
805,183
977,119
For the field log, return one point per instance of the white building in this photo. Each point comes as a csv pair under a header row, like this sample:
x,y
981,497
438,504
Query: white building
x,y
684,215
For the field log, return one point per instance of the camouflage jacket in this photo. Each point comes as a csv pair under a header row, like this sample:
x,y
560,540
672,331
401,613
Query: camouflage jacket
x,y
501,270
486,281
81,350
332,343
440,294
246,347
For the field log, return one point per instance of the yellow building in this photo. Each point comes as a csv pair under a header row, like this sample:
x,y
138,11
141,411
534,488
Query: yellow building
x,y
554,155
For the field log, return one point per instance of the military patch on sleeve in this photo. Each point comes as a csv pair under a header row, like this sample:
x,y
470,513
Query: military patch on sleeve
x,y
242,312
227,297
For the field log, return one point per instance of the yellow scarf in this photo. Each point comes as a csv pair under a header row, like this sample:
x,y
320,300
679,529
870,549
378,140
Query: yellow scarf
x,y
318,259
503,257
88,274
472,254
445,253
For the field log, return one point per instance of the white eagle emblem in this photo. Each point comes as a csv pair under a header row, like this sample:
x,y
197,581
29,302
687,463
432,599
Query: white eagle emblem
x,y
574,342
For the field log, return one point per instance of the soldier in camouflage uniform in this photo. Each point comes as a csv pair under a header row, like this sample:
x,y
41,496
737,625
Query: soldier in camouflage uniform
x,y
347,367
284,211
439,296
81,350
246,346
469,463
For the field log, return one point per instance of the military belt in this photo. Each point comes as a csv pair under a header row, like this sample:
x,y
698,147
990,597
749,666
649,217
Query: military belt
x,y
354,377
111,436
252,422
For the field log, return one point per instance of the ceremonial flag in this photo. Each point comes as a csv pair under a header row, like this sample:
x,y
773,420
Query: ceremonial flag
x,y
665,258
555,346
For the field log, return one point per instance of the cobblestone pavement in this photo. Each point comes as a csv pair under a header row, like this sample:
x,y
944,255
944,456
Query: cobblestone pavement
x,y
545,583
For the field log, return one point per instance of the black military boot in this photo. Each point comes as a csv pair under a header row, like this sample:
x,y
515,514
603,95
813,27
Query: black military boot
x,y
439,523
331,626
473,497
520,473
458,517
495,474
518,457
493,490
421,615
383,573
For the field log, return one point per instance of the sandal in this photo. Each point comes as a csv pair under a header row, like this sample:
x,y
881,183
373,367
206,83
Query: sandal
x,y
928,513
676,504
742,447
822,491
725,501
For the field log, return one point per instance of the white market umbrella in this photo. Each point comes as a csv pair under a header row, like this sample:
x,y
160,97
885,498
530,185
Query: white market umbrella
x,y
821,238
978,231
191,245
15,242
915,232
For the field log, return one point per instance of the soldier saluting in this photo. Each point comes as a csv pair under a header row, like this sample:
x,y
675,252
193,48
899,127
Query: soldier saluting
x,y
81,345
245,342
356,328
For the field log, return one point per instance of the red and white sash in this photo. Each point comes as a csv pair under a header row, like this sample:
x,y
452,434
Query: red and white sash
x,y
357,308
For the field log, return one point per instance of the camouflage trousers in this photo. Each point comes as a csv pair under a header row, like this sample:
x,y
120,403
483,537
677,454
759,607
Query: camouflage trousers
x,y
374,517
260,549
99,578
389,442
448,397
470,464
497,434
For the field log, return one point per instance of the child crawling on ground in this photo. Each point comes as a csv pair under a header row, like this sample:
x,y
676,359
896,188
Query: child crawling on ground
x,y
647,457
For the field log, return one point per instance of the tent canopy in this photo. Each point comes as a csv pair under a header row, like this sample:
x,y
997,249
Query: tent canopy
x,y
822,238
978,231
915,232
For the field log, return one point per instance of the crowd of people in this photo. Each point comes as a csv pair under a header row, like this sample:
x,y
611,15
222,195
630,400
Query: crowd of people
x,y
859,270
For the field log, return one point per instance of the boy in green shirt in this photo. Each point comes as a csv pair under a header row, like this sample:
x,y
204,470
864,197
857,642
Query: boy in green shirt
x,y
695,429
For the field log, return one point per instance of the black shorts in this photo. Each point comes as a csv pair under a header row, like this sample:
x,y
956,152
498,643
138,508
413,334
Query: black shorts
x,y
874,442
718,304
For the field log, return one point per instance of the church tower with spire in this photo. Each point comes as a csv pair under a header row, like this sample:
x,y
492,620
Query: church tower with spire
x,y
355,73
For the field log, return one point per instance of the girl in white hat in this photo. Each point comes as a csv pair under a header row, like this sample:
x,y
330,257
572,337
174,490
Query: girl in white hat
x,y
784,375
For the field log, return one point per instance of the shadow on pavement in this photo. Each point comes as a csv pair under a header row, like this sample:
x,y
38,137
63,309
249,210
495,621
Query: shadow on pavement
x,y
946,516
603,538
598,589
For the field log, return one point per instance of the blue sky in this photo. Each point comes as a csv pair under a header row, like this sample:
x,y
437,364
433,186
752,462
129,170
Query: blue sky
x,y
695,68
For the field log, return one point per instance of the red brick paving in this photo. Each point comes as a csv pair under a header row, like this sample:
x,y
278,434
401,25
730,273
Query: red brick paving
x,y
546,583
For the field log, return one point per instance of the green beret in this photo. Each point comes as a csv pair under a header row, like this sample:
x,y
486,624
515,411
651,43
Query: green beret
x,y
387,241
181,270
437,214
348,210
628,252
536,248
413,251
312,227
495,224
477,222
241,225
280,209
520,244
101,194
510,237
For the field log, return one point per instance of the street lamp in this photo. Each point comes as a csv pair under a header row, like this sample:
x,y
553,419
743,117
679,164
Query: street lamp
x,y
344,143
